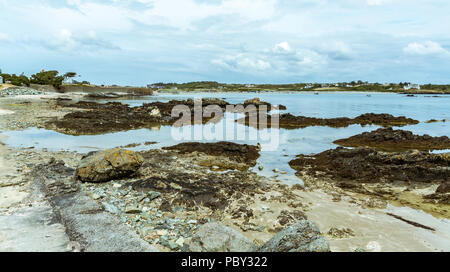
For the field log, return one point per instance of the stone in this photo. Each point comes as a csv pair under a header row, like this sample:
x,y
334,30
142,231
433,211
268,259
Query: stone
x,y
302,236
108,165
214,237
162,232
180,242
443,188
132,210
110,208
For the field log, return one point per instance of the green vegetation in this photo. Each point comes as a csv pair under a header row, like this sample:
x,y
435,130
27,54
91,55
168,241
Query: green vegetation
x,y
16,80
42,78
48,78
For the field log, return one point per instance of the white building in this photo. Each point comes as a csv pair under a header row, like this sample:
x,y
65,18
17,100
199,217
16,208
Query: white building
x,y
412,87
1,80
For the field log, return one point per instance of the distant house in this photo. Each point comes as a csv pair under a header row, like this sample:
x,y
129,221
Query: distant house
x,y
1,80
250,86
411,87
308,86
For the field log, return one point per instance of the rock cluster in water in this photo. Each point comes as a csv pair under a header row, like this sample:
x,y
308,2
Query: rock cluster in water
x,y
289,121
395,140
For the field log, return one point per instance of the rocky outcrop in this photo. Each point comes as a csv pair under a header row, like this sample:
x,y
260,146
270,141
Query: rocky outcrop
x,y
366,165
108,165
242,153
289,121
302,236
395,140
214,237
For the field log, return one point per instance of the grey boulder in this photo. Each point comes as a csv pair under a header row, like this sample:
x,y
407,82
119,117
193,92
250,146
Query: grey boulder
x,y
108,165
214,237
302,236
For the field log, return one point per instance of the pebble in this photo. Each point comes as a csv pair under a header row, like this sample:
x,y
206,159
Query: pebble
x,y
153,195
180,242
133,210
12,91
162,232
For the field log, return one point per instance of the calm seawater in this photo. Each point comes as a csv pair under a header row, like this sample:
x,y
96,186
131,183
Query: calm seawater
x,y
291,142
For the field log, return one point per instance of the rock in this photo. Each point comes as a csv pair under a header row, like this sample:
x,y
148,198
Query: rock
x,y
352,167
340,233
152,195
180,242
155,113
132,210
162,232
214,237
388,139
443,188
108,165
110,208
276,170
302,236
242,153
289,121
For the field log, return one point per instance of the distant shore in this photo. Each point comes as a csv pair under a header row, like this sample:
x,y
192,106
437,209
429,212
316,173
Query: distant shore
x,y
143,91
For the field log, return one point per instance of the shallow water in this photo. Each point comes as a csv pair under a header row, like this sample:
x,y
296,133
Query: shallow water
x,y
291,142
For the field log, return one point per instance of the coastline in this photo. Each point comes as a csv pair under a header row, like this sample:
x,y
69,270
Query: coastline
x,y
323,204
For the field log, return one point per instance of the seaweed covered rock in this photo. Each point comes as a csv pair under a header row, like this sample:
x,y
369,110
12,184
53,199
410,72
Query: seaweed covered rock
x,y
238,152
289,121
108,165
302,236
367,165
395,140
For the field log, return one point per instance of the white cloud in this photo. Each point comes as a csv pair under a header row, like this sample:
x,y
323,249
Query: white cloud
x,y
242,63
282,47
425,48
281,59
375,2
5,37
183,13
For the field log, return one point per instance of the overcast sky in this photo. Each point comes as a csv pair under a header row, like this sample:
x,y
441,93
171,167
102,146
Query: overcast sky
x,y
136,42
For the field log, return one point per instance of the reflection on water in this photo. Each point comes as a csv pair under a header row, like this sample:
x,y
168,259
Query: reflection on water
x,y
290,142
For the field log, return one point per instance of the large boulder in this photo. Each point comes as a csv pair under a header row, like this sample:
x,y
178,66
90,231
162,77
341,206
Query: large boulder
x,y
108,165
302,236
214,237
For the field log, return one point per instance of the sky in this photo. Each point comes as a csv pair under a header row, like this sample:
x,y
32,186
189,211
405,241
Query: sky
x,y
137,42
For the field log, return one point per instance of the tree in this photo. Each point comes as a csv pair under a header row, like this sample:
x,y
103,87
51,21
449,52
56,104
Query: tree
x,y
70,75
48,78
21,80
